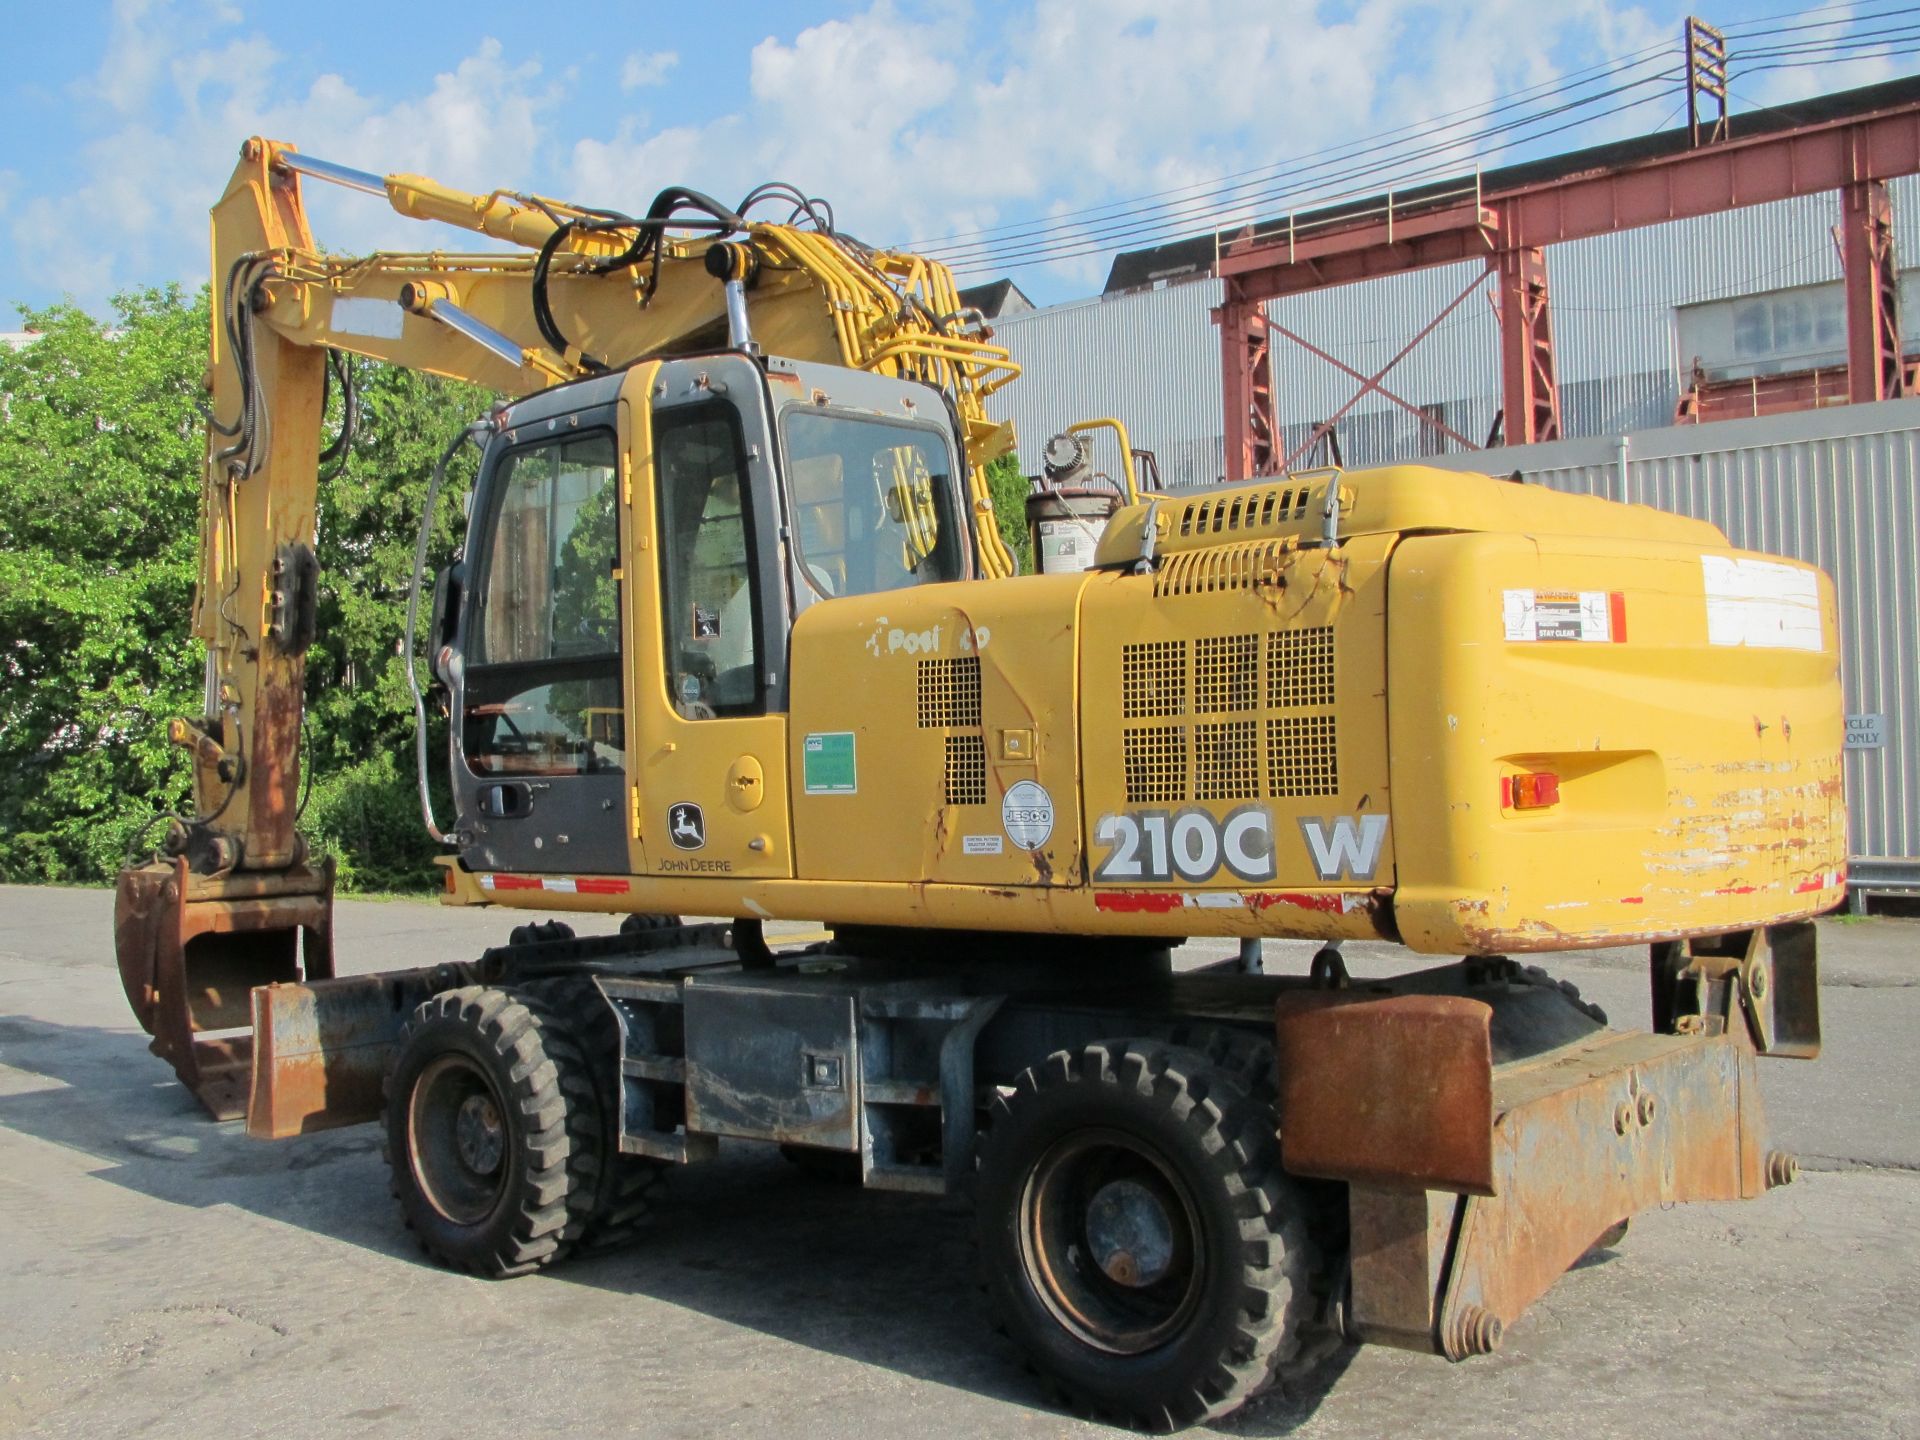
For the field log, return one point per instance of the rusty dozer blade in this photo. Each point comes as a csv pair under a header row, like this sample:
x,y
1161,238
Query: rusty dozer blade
x,y
1473,1185
191,948
321,1050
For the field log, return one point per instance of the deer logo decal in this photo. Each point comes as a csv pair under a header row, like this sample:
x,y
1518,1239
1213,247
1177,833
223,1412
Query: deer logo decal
x,y
686,826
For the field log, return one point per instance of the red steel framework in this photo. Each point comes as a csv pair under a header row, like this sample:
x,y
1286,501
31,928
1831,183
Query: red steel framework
x,y
1509,229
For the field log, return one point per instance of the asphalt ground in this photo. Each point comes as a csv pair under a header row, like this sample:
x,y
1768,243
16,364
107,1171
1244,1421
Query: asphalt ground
x,y
161,1275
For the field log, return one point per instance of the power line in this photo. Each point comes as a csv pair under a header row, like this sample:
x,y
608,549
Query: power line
x,y
1384,173
1138,220
1067,245
1500,103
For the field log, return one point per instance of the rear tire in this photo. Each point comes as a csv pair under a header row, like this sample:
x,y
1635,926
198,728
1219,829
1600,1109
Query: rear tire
x,y
627,1187
490,1132
1136,1236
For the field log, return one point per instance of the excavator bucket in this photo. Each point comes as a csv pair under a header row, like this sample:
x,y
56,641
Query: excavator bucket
x,y
191,949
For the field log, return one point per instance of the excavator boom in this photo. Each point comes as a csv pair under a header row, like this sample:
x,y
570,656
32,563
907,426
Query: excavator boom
x,y
586,291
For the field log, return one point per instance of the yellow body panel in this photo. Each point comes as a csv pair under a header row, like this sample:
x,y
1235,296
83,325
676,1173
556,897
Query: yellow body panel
x,y
1700,781
1265,735
952,695
734,766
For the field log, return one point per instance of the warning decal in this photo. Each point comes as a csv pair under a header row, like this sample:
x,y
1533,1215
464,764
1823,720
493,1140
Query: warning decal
x,y
1592,615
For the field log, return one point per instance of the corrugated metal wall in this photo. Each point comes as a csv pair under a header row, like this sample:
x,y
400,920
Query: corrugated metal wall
x,y
1153,358
1835,487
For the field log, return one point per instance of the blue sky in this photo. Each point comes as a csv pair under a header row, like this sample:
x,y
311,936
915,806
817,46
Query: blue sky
x,y
917,120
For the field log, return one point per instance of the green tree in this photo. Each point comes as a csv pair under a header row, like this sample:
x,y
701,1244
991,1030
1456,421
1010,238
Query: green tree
x,y
1009,487
101,445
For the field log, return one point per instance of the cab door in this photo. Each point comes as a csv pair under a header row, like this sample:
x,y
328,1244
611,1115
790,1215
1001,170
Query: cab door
x,y
539,765
707,623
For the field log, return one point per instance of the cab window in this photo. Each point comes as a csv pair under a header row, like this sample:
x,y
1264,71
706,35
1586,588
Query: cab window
x,y
873,503
709,613
543,680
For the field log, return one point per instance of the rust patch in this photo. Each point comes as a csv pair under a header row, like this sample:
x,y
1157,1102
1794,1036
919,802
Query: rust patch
x,y
1394,1091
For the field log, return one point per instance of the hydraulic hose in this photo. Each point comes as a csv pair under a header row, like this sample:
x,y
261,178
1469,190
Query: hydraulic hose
x,y
473,432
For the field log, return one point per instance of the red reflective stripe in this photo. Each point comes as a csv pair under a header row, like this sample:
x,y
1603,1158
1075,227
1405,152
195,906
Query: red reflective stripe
x,y
600,885
517,882
1617,612
1138,902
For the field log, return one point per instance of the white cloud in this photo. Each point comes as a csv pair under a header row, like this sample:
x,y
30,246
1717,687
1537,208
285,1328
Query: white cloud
x,y
915,121
644,68
147,186
924,124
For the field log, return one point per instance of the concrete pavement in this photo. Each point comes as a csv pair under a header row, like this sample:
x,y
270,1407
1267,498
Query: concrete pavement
x,y
166,1276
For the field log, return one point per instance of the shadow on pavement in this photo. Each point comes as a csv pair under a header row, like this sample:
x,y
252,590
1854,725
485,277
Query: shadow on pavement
x,y
878,1278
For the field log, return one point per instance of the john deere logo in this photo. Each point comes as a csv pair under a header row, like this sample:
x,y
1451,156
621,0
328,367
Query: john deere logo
x,y
686,826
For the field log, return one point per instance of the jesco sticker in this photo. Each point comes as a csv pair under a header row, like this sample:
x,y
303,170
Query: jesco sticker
x,y
1026,814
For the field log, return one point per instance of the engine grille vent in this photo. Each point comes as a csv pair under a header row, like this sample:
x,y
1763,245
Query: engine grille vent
x,y
1156,764
1218,568
966,770
1226,760
1267,729
1153,679
1244,509
1300,668
949,692
1226,673
1301,757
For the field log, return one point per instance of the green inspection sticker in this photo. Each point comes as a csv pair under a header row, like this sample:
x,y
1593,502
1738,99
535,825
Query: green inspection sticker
x,y
827,766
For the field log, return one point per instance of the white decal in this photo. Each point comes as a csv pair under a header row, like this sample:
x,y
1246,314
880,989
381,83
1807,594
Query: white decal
x,y
1557,615
980,844
1246,840
1191,845
1761,603
374,319
1026,814
897,640
1345,848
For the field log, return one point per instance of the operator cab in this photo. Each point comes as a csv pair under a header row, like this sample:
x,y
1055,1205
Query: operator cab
x,y
615,637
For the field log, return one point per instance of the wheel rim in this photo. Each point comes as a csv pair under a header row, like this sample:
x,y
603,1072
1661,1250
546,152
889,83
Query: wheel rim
x,y
457,1139
1109,1241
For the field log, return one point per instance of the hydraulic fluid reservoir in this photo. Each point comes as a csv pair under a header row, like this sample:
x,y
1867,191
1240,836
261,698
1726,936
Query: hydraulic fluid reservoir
x,y
1068,508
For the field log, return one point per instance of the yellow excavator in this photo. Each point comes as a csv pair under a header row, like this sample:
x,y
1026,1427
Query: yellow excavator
x,y
733,633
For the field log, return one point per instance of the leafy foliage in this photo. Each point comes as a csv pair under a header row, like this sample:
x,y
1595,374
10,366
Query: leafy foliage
x,y
100,449
101,444
1009,487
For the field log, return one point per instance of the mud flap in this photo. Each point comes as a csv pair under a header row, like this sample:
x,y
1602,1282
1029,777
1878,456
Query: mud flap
x,y
190,949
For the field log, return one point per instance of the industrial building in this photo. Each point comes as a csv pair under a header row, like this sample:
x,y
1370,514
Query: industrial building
x,y
1700,352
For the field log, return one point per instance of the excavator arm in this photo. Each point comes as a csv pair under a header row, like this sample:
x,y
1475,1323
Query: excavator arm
x,y
236,901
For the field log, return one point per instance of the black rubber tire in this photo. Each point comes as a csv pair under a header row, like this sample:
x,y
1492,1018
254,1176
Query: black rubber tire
x,y
1253,1254
640,923
517,1059
627,1187
539,932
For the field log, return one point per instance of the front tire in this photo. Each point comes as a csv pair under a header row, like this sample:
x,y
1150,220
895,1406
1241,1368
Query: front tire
x,y
1136,1235
491,1132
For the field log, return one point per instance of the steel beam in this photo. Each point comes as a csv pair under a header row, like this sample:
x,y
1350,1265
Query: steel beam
x,y
1874,368
1734,173
1530,393
1246,380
